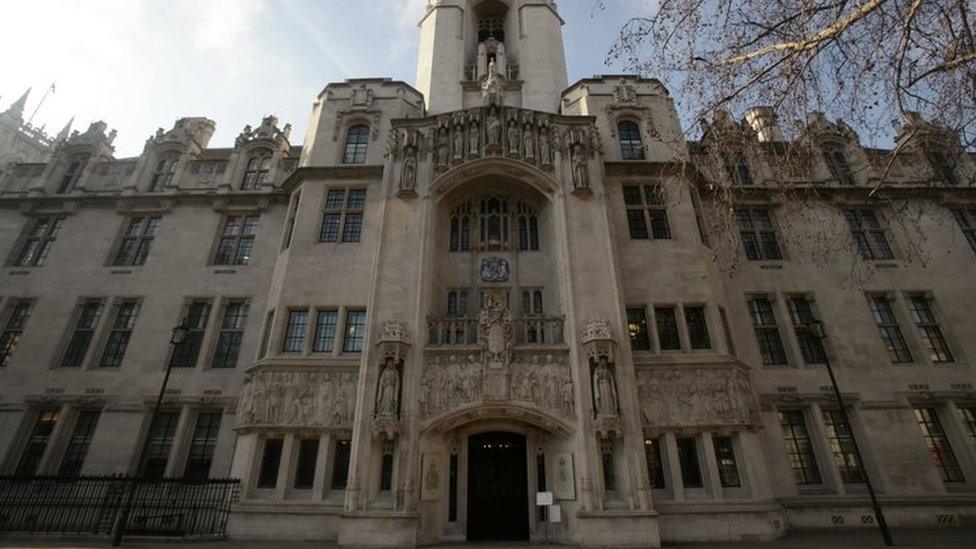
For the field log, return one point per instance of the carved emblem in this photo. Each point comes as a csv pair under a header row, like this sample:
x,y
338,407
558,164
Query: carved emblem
x,y
597,329
494,269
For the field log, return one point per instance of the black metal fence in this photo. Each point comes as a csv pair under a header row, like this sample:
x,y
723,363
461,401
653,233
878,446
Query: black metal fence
x,y
91,505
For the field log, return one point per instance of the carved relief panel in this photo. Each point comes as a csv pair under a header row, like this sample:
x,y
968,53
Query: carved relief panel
x,y
684,397
297,399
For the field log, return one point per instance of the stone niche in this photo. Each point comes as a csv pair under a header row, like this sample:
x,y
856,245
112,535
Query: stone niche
x,y
697,397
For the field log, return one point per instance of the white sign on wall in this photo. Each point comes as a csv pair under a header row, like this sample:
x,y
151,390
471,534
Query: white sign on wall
x,y
555,513
543,499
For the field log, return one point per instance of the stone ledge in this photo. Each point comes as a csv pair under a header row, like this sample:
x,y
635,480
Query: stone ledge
x,y
286,508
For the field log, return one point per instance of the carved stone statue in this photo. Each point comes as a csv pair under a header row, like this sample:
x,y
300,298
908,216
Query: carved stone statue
x,y
491,88
459,141
529,147
581,176
494,130
513,135
408,176
474,135
545,147
388,392
442,147
604,389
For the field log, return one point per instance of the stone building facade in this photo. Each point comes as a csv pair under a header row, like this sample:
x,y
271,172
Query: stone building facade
x,y
456,295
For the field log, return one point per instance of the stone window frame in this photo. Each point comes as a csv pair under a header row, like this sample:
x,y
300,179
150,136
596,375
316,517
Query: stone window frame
x,y
335,343
145,232
779,316
837,158
186,415
342,213
890,328
631,150
92,328
356,153
938,322
53,456
956,475
204,328
53,226
110,326
872,240
238,237
219,329
759,233
294,205
284,488
258,167
712,488
164,168
798,320
965,216
74,169
16,313
681,326
648,208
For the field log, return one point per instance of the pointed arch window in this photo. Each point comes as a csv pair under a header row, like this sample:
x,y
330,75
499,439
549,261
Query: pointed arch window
x,y
256,172
836,160
497,218
164,172
357,141
631,144
461,229
72,173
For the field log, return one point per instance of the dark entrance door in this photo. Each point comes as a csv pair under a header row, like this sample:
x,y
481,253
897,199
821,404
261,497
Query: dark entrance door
x,y
497,487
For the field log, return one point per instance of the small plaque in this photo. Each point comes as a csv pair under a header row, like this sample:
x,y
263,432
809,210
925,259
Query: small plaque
x,y
543,499
786,390
555,513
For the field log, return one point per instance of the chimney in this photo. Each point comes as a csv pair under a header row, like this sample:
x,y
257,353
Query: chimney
x,y
763,121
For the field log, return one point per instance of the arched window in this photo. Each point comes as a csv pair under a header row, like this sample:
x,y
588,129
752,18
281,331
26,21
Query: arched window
x,y
256,171
495,217
737,169
356,142
72,173
631,144
163,174
837,163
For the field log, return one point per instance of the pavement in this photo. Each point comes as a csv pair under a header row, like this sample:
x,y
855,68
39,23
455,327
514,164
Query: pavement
x,y
945,538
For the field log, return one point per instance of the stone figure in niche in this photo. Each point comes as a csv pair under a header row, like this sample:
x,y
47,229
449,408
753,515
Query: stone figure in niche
x,y
513,134
408,176
581,176
529,142
494,130
388,393
459,142
491,88
245,407
474,135
442,147
604,389
338,411
545,147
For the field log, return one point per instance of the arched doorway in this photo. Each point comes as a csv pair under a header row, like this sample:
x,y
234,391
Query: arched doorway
x,y
498,495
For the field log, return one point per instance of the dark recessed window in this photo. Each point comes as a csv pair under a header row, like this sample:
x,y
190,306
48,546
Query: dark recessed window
x,y
758,234
160,435
767,331
38,241
640,338
37,442
77,448
799,448
842,447
666,319
295,330
691,475
202,445
81,336
16,318
340,464
927,326
270,462
647,214
231,334
697,328
308,454
256,172
938,444
655,466
728,470
869,235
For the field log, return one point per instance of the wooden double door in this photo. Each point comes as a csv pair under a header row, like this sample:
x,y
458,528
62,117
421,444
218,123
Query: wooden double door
x,y
498,495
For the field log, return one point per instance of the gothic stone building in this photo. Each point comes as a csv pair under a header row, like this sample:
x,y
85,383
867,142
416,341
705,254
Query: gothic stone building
x,y
456,295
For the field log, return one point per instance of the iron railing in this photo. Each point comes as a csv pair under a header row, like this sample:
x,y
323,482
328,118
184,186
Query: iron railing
x,y
92,505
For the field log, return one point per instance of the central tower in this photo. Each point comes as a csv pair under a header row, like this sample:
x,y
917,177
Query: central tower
x,y
464,42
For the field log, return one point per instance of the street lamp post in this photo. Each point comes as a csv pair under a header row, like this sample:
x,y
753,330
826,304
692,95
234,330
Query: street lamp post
x,y
816,328
176,339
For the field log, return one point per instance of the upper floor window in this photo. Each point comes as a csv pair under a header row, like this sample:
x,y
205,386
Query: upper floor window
x,y
196,314
231,334
887,323
758,234
72,173
164,172
126,313
343,215
357,141
811,346
767,331
646,208
355,335
640,338
38,241
697,324
136,241
494,217
737,169
295,330
967,222
236,242
256,172
631,144
870,236
928,327
85,322
13,325
836,160
945,167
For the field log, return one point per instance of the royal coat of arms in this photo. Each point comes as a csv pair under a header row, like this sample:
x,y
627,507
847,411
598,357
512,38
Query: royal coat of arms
x,y
494,270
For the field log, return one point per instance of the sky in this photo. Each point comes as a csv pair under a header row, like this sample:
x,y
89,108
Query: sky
x,y
142,64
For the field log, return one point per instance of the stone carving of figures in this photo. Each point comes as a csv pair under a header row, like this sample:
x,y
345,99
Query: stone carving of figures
x,y
529,142
388,395
442,147
494,130
408,177
605,389
513,135
566,395
423,399
245,407
581,176
474,135
338,412
459,141
545,147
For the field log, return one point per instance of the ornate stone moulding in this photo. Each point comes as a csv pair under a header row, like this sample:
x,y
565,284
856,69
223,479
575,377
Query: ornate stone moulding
x,y
526,138
697,396
499,411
